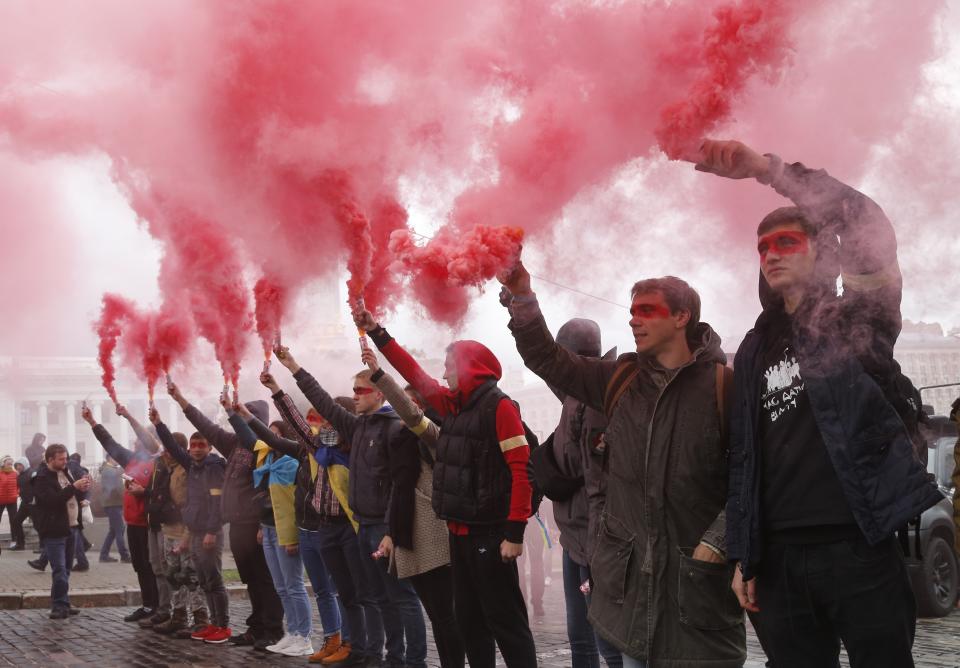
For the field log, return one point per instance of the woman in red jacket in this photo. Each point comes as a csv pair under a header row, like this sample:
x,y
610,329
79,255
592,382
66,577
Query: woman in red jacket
x,y
9,492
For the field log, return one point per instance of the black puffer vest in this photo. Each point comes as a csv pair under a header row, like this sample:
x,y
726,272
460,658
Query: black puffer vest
x,y
160,506
471,479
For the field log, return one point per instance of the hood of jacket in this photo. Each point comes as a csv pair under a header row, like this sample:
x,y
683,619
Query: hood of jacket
x,y
260,410
475,365
580,336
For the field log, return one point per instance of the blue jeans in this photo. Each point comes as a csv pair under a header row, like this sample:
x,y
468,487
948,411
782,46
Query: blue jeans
x,y
287,573
328,605
60,554
341,555
398,603
585,645
630,662
116,532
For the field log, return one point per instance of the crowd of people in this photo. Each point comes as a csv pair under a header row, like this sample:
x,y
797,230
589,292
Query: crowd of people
x,y
686,494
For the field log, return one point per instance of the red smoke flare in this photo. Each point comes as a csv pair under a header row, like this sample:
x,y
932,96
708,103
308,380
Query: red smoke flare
x,y
155,341
745,39
270,305
115,312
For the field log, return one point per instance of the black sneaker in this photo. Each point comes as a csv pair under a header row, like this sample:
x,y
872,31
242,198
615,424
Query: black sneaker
x,y
80,569
245,639
59,613
108,560
138,614
73,611
261,644
17,548
37,564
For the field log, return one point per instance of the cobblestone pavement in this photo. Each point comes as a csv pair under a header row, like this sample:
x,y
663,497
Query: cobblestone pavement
x,y
99,637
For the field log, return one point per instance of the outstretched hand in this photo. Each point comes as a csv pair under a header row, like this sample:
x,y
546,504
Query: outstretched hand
x,y
122,411
369,358
176,394
364,320
241,409
269,382
732,160
226,401
154,416
286,359
87,415
516,280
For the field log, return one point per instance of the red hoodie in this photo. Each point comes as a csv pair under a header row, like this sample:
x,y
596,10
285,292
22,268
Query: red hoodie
x,y
475,365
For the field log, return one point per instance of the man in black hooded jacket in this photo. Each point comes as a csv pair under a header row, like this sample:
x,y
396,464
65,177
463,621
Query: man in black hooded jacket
x,y
823,471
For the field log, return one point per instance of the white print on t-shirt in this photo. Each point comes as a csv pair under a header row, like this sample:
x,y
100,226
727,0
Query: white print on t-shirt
x,y
782,386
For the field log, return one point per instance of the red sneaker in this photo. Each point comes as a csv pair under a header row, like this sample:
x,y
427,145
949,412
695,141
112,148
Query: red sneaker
x,y
203,633
220,634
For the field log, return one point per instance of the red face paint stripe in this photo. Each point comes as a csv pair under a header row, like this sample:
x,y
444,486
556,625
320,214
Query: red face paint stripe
x,y
649,311
788,242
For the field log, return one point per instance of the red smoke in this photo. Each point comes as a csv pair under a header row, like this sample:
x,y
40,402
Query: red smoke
x,y
154,341
270,305
278,135
746,38
116,311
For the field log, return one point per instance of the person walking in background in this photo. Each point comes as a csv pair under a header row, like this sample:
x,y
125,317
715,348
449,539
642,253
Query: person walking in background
x,y
111,497
35,452
22,468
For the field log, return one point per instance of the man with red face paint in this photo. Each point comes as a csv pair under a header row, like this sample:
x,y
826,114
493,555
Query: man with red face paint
x,y
659,577
480,487
823,471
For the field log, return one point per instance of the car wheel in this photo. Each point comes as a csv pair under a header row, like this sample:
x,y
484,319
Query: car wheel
x,y
938,592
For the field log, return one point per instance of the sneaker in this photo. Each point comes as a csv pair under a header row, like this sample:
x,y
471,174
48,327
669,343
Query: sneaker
x,y
59,613
245,639
73,611
138,614
203,633
17,548
108,560
220,634
187,633
301,646
12,545
37,564
80,569
151,621
330,645
278,646
262,644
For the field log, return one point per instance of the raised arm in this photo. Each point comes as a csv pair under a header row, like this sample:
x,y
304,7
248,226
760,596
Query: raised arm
x,y
342,420
289,412
411,414
218,437
119,453
147,440
584,378
168,442
247,438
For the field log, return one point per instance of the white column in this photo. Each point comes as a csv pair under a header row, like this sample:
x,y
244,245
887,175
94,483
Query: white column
x,y
71,418
42,425
96,450
173,416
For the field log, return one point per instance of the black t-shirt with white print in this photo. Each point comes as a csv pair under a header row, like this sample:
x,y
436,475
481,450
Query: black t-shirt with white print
x,y
801,496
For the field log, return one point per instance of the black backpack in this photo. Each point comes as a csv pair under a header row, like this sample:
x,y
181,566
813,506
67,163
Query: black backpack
x,y
536,494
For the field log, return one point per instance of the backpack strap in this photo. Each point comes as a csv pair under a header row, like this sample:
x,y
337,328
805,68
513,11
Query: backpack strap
x,y
623,375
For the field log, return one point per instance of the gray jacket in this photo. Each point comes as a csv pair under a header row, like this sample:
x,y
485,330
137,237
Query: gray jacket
x,y
666,489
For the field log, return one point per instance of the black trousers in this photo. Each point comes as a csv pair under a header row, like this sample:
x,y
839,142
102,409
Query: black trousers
x,y
16,528
489,605
266,617
138,539
813,597
435,589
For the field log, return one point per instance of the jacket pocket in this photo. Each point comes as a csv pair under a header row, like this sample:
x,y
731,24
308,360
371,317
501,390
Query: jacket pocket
x,y
610,566
705,599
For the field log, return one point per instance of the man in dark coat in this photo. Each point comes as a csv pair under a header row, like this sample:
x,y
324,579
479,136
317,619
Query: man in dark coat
x,y
58,521
823,470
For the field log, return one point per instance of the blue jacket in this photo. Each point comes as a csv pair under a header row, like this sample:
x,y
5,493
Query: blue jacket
x,y
844,344
201,513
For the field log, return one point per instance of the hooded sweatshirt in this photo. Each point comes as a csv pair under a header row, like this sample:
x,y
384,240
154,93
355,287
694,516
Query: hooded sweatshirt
x,y
138,465
242,502
476,366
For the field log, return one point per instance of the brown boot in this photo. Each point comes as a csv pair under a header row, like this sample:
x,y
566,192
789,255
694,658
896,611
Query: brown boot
x,y
331,645
175,623
342,655
200,620
153,620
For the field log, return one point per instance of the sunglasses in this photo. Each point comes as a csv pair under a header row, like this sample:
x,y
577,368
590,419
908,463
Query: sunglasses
x,y
360,391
